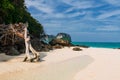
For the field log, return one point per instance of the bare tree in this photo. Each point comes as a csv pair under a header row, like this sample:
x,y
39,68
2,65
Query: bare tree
x,y
29,48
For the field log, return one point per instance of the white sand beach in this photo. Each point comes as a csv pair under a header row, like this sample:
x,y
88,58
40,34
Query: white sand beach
x,y
64,64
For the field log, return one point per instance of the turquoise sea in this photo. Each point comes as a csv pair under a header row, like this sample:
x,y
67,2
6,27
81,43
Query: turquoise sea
x,y
99,44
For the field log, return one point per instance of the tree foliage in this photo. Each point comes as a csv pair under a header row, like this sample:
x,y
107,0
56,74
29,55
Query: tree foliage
x,y
15,11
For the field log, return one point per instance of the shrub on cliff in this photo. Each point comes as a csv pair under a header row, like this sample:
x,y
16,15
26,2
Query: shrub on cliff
x,y
15,11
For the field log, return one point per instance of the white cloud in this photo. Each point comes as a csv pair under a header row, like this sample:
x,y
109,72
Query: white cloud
x,y
59,15
80,4
108,28
113,2
69,10
53,25
50,9
75,14
38,4
107,14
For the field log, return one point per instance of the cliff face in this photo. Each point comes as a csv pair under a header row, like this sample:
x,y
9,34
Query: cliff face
x,y
15,11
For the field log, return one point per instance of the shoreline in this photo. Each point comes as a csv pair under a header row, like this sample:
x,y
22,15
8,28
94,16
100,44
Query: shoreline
x,y
87,64
114,45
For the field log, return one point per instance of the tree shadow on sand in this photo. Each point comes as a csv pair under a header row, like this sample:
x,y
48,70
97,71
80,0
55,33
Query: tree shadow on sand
x,y
4,57
18,58
42,55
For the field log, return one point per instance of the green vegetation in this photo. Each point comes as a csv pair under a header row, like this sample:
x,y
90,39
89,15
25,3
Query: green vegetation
x,y
15,11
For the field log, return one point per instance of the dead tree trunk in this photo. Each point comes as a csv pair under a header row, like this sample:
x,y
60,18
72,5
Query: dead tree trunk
x,y
36,55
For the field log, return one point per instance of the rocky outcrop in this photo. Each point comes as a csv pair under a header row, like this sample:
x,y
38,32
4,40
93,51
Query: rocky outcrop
x,y
13,51
77,49
40,45
12,41
11,38
58,46
47,38
64,36
63,39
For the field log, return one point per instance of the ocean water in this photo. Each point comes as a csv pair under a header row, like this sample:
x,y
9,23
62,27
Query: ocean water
x,y
99,44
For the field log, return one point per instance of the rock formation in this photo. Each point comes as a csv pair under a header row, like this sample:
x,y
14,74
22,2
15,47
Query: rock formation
x,y
63,39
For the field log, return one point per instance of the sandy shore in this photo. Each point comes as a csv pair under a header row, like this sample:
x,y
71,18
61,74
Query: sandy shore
x,y
64,64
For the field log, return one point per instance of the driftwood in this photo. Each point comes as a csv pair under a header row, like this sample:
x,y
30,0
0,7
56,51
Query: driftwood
x,y
29,47
15,33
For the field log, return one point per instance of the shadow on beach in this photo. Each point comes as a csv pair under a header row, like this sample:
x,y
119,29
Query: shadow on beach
x,y
42,55
18,58
64,70
4,57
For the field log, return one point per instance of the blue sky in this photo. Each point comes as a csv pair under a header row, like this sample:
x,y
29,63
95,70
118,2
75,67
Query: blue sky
x,y
84,20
